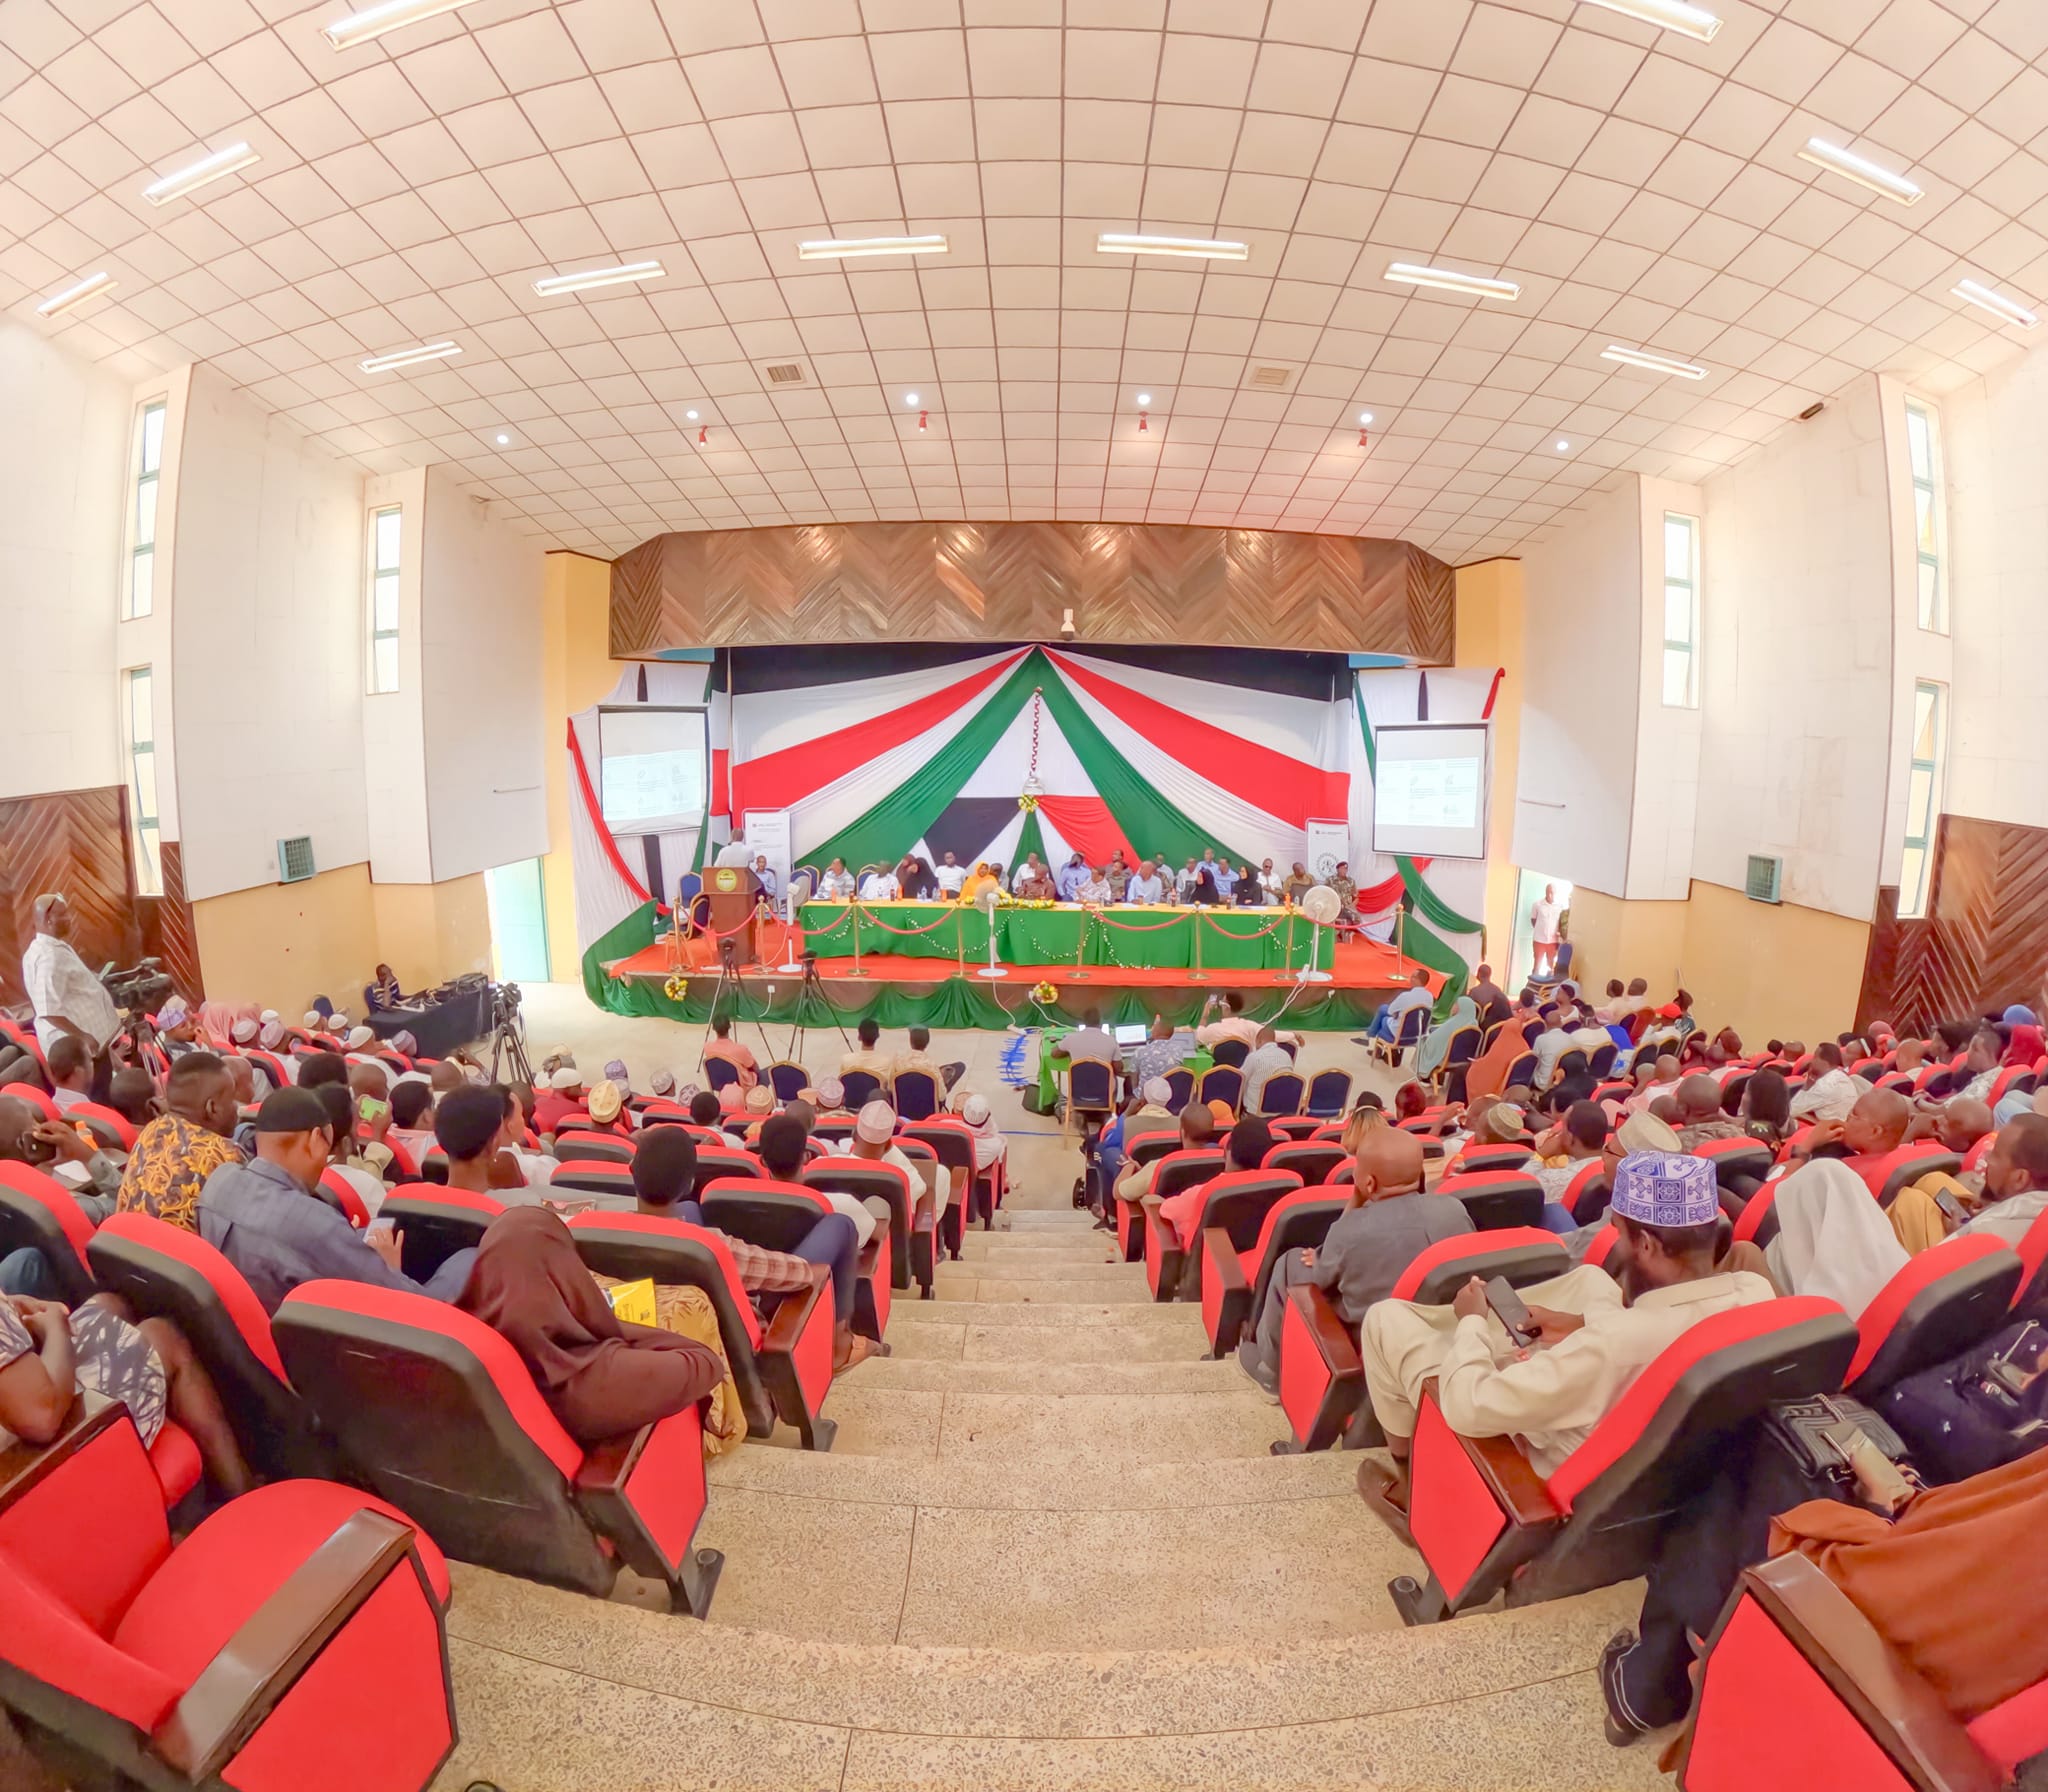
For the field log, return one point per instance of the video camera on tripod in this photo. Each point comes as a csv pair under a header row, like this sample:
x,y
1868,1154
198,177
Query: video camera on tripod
x,y
139,991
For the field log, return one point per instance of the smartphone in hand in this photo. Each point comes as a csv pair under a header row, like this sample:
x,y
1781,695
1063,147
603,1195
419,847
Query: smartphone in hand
x,y
1510,1309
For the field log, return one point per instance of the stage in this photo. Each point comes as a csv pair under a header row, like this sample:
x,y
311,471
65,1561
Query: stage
x,y
899,990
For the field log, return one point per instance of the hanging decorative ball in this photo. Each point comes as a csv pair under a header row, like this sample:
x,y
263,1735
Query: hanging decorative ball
x,y
1144,421
1028,802
703,435
923,421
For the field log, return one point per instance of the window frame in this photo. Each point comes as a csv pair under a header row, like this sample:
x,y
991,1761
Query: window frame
x,y
378,572
1690,585
142,477
145,828
1913,902
1930,608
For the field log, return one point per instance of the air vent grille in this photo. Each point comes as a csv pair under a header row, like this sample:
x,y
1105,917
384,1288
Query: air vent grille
x,y
784,373
1272,379
295,859
1763,880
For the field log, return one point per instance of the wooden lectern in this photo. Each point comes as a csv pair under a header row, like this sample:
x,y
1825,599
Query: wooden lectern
x,y
735,894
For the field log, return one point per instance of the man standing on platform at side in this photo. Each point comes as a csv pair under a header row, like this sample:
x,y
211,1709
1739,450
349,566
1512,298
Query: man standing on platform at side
x,y
69,1000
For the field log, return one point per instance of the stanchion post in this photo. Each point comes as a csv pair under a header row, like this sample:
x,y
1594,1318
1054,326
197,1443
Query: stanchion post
x,y
1081,947
857,971
1197,975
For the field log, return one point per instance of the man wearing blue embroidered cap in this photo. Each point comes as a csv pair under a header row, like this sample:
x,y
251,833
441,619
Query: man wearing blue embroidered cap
x,y
1598,1333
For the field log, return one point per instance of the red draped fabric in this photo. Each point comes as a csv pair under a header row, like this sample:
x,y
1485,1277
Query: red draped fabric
x,y
1087,826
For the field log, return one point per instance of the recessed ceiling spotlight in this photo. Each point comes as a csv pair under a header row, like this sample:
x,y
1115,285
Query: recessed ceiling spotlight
x,y
100,282
1364,417
1994,302
1478,286
910,401
1850,166
1652,362
1670,15
208,168
1144,398
849,248
1202,248
410,357
554,285
504,441
1563,447
374,21
692,415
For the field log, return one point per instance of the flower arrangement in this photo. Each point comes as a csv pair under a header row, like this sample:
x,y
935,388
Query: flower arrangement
x,y
1044,994
1028,902
676,988
1028,802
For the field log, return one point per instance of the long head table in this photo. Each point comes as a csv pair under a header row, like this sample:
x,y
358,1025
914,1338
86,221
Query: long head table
x,y
1131,937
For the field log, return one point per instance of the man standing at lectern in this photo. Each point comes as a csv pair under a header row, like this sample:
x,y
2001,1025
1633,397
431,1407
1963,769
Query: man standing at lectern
x,y
69,1000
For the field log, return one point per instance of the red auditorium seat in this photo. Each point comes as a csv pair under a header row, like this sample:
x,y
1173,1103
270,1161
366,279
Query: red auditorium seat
x,y
1294,1127
593,1179
726,1158
1586,1196
112,1131
1476,1158
340,1194
864,1179
1485,1522
1942,1302
292,1643
951,1142
1759,1222
435,1222
1235,1203
165,1272
37,1212
572,1146
35,1098
1311,1160
1735,1157
1899,1169
2031,1297
777,1215
1175,1171
1322,1379
1797,1688
1234,1281
782,1369
434,1407
1497,1198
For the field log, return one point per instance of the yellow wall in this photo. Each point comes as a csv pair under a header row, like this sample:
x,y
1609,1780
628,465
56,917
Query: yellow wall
x,y
576,671
1489,625
1612,938
429,932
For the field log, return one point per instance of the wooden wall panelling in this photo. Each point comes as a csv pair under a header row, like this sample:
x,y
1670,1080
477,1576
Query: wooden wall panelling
x,y
167,929
76,842
1127,583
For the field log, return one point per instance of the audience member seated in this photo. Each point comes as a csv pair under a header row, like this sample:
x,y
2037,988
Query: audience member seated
x,y
1090,1040
265,1219
370,1085
1387,1024
1700,1115
1567,1147
1559,1040
722,1045
346,1159
2011,1195
868,1055
1387,1225
1958,1123
1267,1058
412,1117
1833,1240
561,1103
1654,1084
874,1140
175,1153
1107,1146
1233,1023
1436,1043
919,1057
605,1106
1250,1140
70,1067
471,1127
1599,1328
1197,1132
131,1093
1767,1108
600,1377
1873,1128
55,1148
1488,996
1982,1063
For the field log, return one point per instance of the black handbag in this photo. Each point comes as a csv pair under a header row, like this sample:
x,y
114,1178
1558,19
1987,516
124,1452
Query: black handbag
x,y
1813,1433
1979,1410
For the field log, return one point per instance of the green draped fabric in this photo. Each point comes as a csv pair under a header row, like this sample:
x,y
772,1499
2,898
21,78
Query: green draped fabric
x,y
634,934
1255,939
1031,840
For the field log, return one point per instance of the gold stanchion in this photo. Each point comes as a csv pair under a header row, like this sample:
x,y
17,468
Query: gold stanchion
x,y
1290,939
960,941
1197,975
854,922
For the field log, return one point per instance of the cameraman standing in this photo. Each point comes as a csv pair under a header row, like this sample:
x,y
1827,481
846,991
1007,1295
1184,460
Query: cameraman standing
x,y
68,998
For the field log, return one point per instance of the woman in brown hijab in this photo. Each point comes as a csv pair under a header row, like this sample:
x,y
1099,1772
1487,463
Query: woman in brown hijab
x,y
602,1378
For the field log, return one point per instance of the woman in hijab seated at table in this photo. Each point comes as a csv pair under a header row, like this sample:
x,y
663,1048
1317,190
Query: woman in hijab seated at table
x,y
601,1377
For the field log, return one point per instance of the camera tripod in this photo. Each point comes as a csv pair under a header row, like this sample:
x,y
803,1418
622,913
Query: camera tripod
x,y
730,984
810,990
508,1044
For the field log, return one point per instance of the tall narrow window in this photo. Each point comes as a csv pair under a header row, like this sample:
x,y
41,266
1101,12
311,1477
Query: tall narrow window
x,y
140,715
1921,794
140,596
384,534
1681,611
1930,525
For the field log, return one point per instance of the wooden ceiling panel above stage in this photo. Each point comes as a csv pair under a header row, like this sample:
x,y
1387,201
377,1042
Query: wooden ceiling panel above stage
x,y
1125,582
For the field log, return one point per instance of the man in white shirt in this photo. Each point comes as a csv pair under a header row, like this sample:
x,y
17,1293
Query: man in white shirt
x,y
837,884
951,877
68,998
880,886
1558,1041
70,1067
1386,1025
1147,887
1185,880
1543,919
1271,882
2015,1181
1265,1059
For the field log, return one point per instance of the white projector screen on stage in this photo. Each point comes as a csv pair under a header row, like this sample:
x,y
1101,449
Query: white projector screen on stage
x,y
1429,789
652,767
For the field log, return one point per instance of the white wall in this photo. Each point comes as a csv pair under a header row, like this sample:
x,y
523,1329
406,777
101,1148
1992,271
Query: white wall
x,y
1667,772
268,659
480,642
394,722
1796,685
1583,594
64,436
147,640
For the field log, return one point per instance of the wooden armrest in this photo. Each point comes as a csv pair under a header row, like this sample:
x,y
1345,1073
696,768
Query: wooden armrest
x,y
24,1466
1508,1474
606,1466
1218,1250
1333,1339
241,1685
1902,1712
787,1325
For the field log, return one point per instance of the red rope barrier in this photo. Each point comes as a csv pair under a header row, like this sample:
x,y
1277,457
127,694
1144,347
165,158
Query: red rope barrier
x,y
1142,926
1232,934
810,932
904,932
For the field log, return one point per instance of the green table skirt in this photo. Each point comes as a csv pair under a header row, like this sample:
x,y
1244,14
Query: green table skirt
x,y
1232,939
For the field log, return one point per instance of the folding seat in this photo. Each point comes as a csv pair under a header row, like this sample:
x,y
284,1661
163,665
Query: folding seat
x,y
783,1369
1329,1094
1942,1302
272,1067
1732,1089
1973,1159
1230,1053
593,1179
861,1087
838,1127
1312,1161
1172,1173
1497,1198
788,1080
866,1180
35,1098
728,1158
1759,1222
342,1195
1521,1071
720,1073
1797,1688
2014,1079
1407,1034
917,1094
1488,1157
111,1131
1235,1203
1322,1377
778,1215
1234,1281
1902,1168
165,1272
1486,1523
951,1143
38,1213
1343,1173
1293,1126
1601,1064
1586,1196
1181,1082
2030,1299
292,1643
436,1411
434,1165
1734,1158
1281,1094
434,1223
654,1109
1150,1138
1091,1093
1224,1083
572,1146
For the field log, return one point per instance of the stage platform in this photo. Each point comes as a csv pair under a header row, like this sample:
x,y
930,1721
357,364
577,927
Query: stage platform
x,y
901,991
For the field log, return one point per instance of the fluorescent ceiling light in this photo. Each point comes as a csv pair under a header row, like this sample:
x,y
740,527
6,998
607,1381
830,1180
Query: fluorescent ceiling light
x,y
207,168
1654,363
1994,302
104,282
1671,15
1202,248
556,284
849,248
410,357
374,21
1851,166
1406,273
